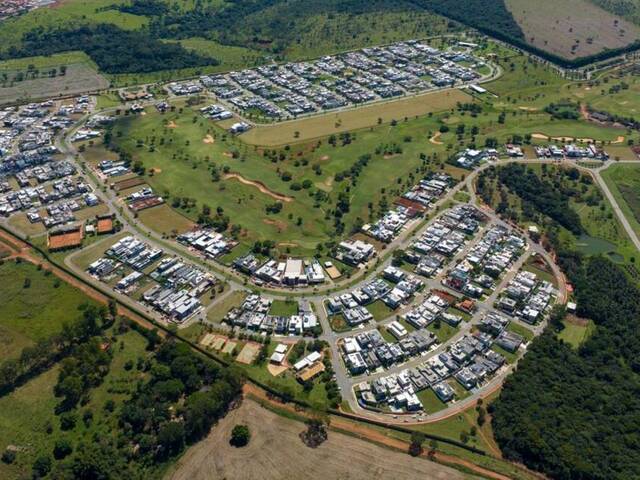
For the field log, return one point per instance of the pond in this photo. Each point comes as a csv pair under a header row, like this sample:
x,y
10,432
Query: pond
x,y
596,246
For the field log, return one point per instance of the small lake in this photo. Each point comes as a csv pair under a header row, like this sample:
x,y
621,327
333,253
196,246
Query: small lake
x,y
596,246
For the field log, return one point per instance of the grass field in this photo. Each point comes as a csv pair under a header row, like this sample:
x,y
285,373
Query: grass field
x,y
182,164
34,312
353,119
26,413
571,28
576,332
217,312
624,183
283,308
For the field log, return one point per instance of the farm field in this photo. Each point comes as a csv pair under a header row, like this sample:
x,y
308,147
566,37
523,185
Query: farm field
x,y
34,306
274,442
624,183
79,78
309,128
580,29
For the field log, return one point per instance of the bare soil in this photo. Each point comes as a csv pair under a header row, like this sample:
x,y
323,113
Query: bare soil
x,y
276,452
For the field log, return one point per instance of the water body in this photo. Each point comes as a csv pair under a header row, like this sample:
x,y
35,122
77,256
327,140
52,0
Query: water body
x,y
597,246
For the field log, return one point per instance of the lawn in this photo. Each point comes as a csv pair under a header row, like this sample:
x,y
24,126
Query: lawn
x,y
234,299
510,357
444,333
33,311
430,402
353,119
521,330
284,308
379,310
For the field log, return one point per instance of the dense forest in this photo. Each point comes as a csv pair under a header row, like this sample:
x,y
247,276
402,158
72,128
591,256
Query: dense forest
x,y
113,49
575,415
182,397
538,196
572,414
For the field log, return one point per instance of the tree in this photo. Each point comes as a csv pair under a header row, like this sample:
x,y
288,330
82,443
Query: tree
x,y
415,448
8,456
42,466
240,436
61,449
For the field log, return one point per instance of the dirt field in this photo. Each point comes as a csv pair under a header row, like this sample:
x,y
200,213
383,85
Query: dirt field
x,y
79,79
276,452
249,353
557,26
362,117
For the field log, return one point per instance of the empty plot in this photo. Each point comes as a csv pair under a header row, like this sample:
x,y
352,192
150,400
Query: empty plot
x,y
571,28
276,452
79,78
249,353
362,117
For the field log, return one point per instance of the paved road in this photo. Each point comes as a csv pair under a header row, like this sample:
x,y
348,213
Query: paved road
x,y
317,295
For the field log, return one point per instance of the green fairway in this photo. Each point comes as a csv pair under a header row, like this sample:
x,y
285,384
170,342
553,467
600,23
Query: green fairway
x,y
34,306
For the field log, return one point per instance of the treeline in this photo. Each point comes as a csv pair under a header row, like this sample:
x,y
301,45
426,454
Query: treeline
x,y
179,396
35,359
113,49
536,195
185,395
575,415
145,8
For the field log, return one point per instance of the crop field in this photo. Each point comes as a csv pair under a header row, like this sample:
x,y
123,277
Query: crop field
x,y
34,306
571,28
353,119
274,442
624,183
79,78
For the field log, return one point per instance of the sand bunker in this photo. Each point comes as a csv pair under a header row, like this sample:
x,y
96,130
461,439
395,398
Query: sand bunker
x,y
435,139
260,186
172,124
208,139
542,136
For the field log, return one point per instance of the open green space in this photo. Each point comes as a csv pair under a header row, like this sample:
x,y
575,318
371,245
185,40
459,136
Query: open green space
x,y
222,307
576,332
284,308
443,331
521,330
28,421
379,310
430,402
35,305
624,183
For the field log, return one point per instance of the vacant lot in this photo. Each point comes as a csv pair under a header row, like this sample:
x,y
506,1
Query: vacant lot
x,y
79,78
624,183
571,28
34,306
368,116
275,442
